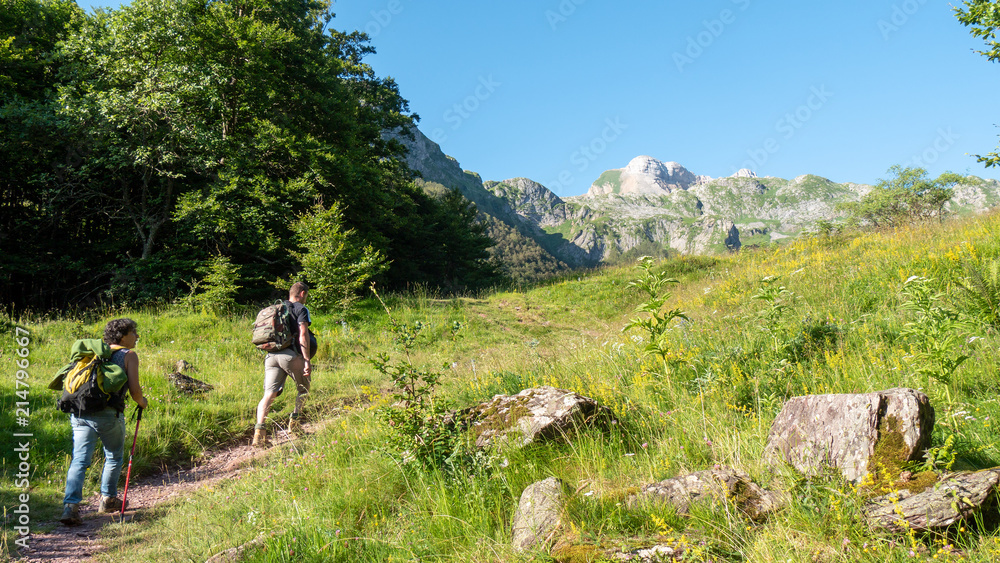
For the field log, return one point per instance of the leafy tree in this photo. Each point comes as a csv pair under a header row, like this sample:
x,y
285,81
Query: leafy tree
x,y
984,18
333,263
29,31
170,131
32,206
520,257
907,197
216,291
460,249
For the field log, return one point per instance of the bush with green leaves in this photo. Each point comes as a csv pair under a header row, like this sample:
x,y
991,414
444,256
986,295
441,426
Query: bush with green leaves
x,y
334,263
420,429
937,336
812,339
981,290
216,291
907,197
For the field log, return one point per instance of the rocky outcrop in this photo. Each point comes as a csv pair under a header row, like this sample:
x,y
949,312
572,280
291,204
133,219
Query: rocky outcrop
x,y
964,496
538,515
239,553
617,236
646,175
846,431
974,195
721,484
530,200
533,414
425,157
663,203
439,172
185,383
732,241
652,201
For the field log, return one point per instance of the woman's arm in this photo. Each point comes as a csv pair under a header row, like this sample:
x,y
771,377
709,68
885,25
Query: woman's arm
x,y
132,370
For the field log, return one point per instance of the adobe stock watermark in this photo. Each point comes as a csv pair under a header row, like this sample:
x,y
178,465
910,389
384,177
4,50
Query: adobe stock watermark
x,y
900,15
23,436
381,19
587,153
461,111
944,140
787,126
697,43
563,11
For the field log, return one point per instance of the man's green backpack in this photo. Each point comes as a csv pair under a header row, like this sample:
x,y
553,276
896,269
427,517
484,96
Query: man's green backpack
x,y
90,382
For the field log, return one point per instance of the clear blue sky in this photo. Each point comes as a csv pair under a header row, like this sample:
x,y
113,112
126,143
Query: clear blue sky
x,y
560,90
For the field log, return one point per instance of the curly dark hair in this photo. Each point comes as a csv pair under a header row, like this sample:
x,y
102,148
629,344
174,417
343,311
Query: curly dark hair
x,y
116,329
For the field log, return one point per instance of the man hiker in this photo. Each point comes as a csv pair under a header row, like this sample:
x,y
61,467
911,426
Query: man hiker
x,y
108,425
292,361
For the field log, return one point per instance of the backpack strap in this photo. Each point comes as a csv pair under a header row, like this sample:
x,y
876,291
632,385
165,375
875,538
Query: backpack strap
x,y
117,347
117,399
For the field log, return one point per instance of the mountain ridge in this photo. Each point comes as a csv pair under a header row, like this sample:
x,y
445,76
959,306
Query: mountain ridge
x,y
653,206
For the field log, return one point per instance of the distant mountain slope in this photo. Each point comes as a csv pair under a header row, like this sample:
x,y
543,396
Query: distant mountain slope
x,y
645,175
516,246
652,206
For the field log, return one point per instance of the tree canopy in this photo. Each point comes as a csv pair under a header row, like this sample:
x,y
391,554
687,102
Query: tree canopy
x,y
159,136
983,16
908,196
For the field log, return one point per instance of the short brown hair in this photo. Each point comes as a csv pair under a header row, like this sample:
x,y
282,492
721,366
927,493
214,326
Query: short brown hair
x,y
297,288
117,329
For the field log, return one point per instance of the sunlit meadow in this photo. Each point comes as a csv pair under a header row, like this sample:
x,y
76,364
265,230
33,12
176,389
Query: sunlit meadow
x,y
826,314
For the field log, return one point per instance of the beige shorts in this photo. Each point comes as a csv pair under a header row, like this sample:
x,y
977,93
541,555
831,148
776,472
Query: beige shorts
x,y
279,365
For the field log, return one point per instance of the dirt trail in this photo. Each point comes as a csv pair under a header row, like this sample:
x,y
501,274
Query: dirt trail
x,y
66,544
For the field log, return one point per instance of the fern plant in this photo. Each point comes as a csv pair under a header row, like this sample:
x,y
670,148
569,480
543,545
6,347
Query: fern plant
x,y
981,289
936,335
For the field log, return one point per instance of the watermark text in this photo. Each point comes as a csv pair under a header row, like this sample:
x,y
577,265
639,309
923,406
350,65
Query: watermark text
x,y
787,125
712,30
22,453
587,153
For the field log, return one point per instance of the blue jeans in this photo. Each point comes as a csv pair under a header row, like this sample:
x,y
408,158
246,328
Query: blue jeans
x,y
109,426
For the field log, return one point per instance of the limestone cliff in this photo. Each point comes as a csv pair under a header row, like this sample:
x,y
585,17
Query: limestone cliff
x,y
645,175
652,206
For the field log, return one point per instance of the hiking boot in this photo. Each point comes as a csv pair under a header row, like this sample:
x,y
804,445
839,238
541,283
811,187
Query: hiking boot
x,y
71,515
259,438
294,426
109,504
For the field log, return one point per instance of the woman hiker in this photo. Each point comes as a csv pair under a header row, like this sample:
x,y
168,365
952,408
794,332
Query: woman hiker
x,y
108,425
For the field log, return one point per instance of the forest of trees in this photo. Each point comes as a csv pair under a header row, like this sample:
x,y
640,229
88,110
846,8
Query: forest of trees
x,y
140,145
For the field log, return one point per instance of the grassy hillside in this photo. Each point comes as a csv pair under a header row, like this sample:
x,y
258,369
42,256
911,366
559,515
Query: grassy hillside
x,y
819,315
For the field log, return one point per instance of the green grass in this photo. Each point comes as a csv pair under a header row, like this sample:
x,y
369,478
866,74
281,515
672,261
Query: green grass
x,y
343,495
612,177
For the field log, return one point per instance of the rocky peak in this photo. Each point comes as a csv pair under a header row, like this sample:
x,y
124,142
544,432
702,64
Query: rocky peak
x,y
645,175
522,191
649,166
744,173
530,200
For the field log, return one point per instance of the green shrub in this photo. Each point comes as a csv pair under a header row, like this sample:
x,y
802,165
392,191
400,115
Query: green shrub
x,y
216,292
333,262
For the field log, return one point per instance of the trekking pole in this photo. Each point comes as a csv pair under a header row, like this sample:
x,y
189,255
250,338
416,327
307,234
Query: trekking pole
x,y
138,417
